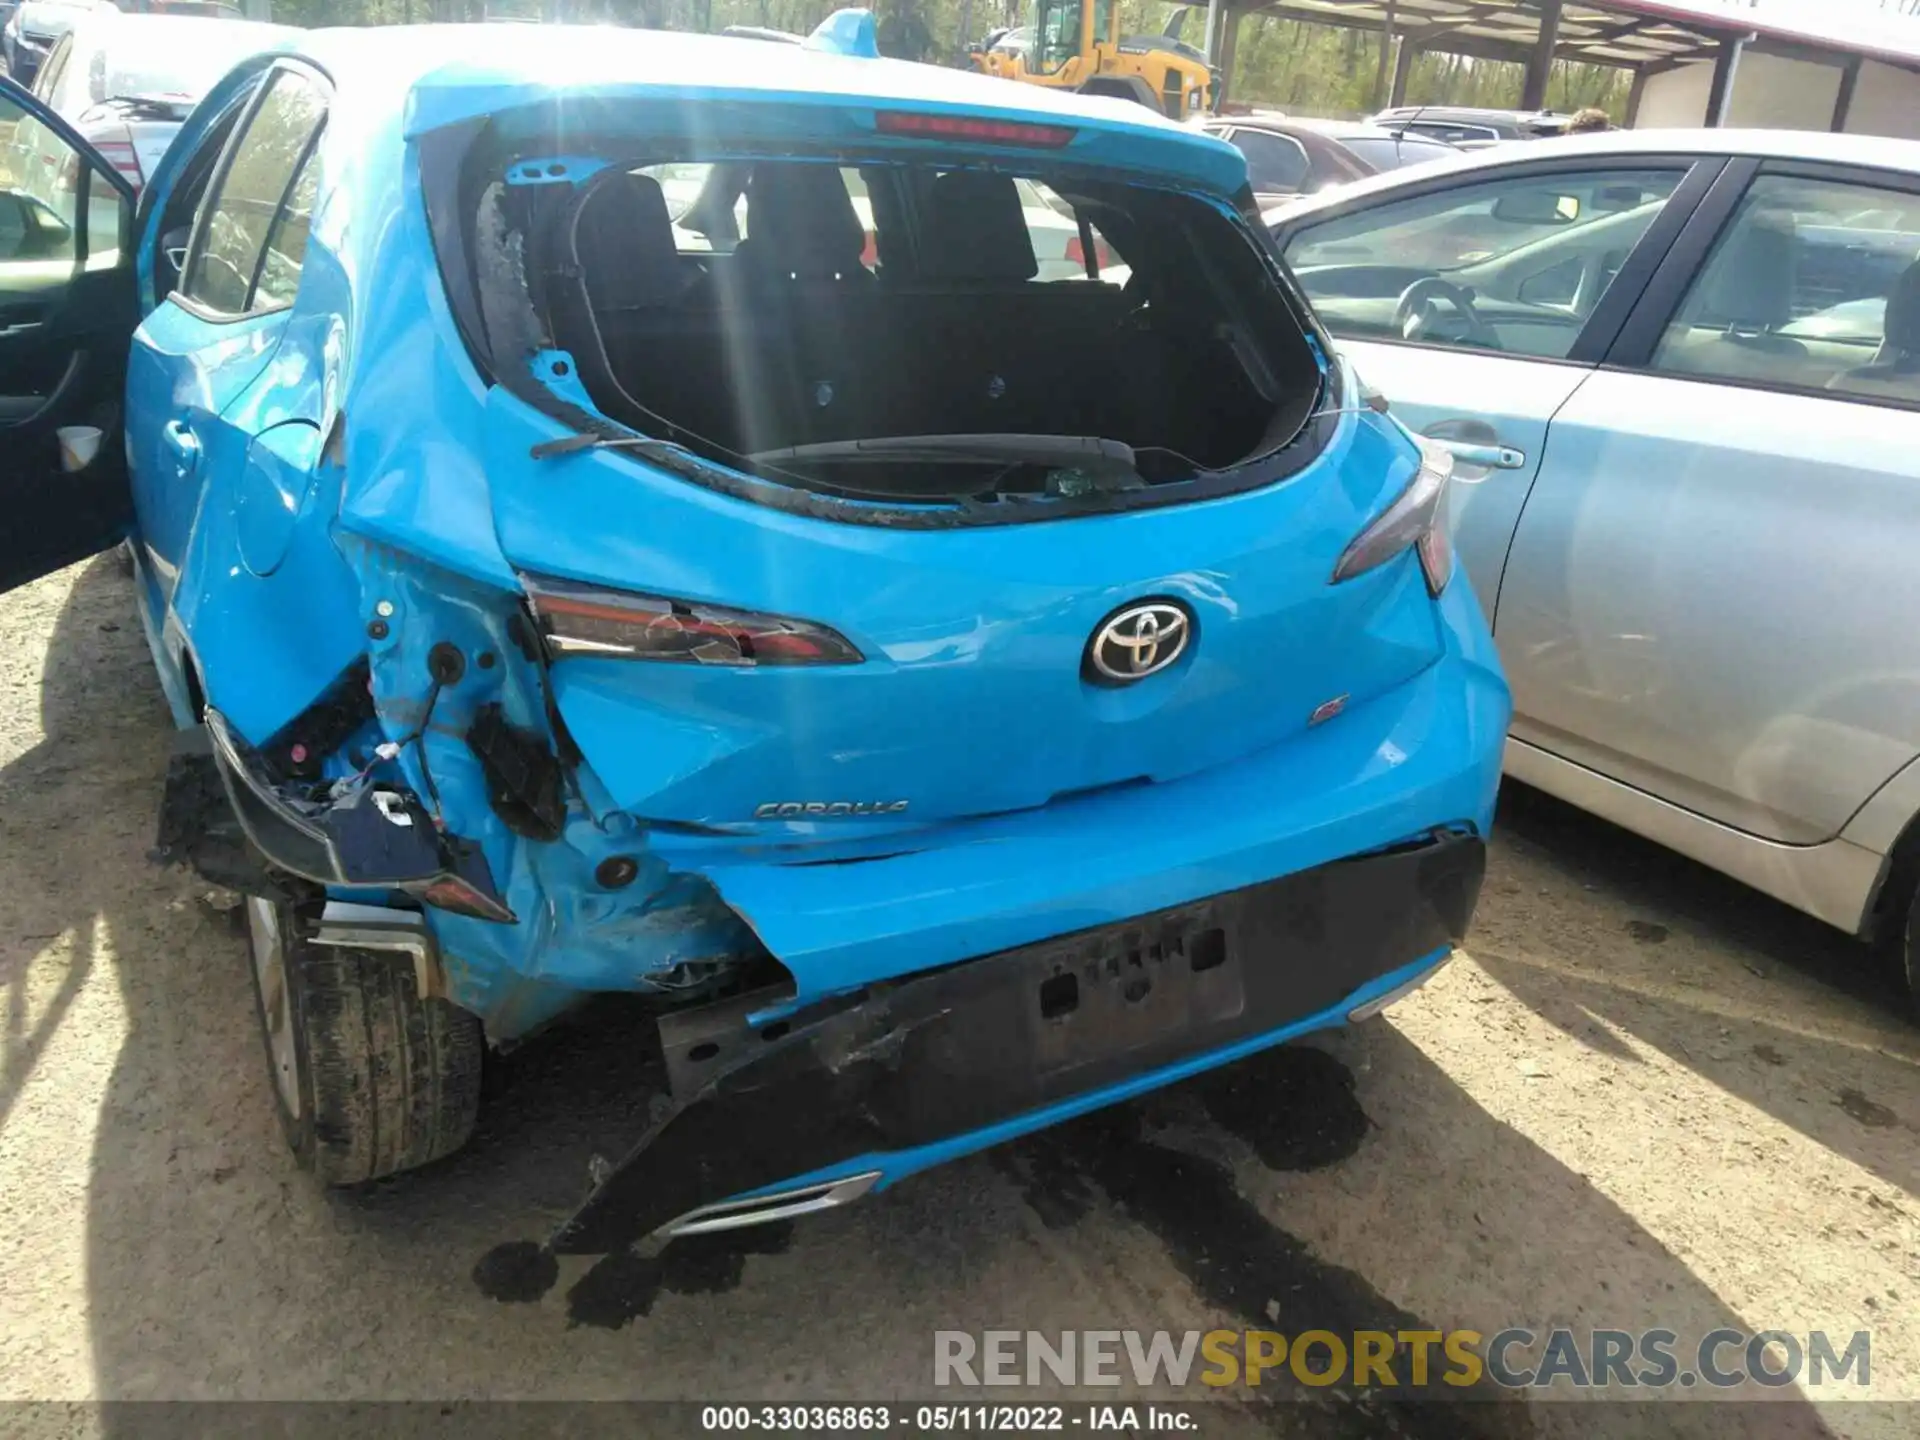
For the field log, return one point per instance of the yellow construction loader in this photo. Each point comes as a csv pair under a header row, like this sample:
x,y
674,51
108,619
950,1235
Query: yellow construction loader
x,y
1077,45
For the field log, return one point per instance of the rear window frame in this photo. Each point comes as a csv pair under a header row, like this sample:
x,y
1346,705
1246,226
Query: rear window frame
x,y
460,163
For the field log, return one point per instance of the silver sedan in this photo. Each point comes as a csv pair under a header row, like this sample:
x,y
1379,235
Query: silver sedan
x,y
1680,372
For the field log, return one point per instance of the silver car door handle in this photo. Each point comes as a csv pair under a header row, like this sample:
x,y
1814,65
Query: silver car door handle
x,y
1488,457
25,327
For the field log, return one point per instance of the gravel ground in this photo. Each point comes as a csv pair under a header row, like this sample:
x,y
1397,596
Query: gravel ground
x,y
1648,1097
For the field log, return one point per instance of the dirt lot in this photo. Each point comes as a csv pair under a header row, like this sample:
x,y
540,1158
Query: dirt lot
x,y
1649,1098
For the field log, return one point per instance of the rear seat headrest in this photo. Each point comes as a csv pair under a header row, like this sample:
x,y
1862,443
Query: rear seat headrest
x,y
801,221
975,229
623,243
1902,325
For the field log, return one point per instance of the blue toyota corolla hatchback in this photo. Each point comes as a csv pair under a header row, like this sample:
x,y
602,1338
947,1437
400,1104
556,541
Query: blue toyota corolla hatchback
x,y
619,511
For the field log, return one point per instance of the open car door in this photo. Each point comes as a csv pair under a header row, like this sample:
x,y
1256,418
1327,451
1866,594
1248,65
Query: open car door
x,y
67,314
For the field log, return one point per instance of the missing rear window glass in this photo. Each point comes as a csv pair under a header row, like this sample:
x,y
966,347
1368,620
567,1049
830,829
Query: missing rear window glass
x,y
912,332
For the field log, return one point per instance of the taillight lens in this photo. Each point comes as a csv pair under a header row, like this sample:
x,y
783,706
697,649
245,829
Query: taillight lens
x,y
450,892
1416,519
1077,253
584,620
120,154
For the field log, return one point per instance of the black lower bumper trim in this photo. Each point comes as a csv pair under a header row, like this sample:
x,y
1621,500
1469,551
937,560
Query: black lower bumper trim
x,y
941,1054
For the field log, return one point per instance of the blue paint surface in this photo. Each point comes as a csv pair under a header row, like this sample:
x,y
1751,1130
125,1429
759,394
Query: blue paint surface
x,y
350,485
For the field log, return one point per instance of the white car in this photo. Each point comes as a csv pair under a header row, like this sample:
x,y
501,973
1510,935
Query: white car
x,y
126,82
1680,372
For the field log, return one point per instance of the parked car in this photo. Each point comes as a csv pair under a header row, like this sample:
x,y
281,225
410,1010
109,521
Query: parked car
x,y
35,26
1471,128
849,664
1289,156
1016,41
30,32
1689,363
126,82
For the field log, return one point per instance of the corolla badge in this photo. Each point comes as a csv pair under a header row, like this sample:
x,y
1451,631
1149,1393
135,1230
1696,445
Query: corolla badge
x,y
1139,641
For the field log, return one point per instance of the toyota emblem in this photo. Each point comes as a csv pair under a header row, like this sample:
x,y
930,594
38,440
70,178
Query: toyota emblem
x,y
1139,641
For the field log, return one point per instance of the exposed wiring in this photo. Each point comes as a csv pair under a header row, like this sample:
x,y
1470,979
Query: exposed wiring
x,y
419,740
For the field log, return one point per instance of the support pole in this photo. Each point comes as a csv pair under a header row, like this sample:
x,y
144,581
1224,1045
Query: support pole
x,y
1843,102
1638,89
1533,94
1725,64
1380,70
1228,43
1402,68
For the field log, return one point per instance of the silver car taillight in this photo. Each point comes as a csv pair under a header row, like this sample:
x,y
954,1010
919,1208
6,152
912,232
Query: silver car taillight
x,y
1416,519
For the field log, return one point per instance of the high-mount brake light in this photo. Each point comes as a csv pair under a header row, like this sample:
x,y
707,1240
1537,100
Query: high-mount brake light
x,y
963,127
621,625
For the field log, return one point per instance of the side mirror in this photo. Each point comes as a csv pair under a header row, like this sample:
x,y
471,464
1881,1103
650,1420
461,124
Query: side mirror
x,y
30,230
1536,207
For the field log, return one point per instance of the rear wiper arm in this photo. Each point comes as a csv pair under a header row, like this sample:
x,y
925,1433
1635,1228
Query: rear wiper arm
x,y
1110,463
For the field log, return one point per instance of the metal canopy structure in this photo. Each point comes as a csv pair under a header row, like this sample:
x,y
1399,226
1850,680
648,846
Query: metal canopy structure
x,y
1647,37
1505,30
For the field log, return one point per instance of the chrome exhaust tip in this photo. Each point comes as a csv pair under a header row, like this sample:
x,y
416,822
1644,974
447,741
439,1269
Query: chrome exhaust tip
x,y
781,1205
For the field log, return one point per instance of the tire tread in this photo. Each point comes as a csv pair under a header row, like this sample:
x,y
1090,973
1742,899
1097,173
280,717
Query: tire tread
x,y
395,1079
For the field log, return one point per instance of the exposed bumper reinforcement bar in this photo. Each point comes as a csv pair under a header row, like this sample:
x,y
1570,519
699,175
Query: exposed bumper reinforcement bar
x,y
942,1054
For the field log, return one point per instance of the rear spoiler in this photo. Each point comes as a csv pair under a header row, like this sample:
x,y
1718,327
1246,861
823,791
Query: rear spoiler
x,y
846,32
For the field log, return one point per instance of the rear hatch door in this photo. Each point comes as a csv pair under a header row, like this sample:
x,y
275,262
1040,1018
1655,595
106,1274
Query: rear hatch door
x,y
974,692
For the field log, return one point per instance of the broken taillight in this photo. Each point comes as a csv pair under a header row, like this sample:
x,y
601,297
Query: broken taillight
x,y
618,624
450,892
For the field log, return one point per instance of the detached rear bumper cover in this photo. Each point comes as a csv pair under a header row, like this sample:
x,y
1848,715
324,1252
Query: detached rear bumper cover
x,y
956,1050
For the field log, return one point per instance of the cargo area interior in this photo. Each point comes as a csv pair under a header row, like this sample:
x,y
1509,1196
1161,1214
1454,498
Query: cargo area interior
x,y
746,307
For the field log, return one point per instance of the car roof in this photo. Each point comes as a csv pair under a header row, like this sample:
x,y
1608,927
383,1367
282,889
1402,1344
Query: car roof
x,y
1469,112
1332,129
441,75
1871,151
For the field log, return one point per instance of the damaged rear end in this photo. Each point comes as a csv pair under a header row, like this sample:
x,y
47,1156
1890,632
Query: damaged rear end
x,y
960,698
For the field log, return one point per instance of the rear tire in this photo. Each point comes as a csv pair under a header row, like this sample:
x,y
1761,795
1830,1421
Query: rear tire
x,y
1910,953
368,1078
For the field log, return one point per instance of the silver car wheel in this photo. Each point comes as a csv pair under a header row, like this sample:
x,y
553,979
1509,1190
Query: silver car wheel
x,y
269,946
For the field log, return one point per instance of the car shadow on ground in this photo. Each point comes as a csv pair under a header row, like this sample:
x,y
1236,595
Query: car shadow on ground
x,y
1734,985
214,1270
